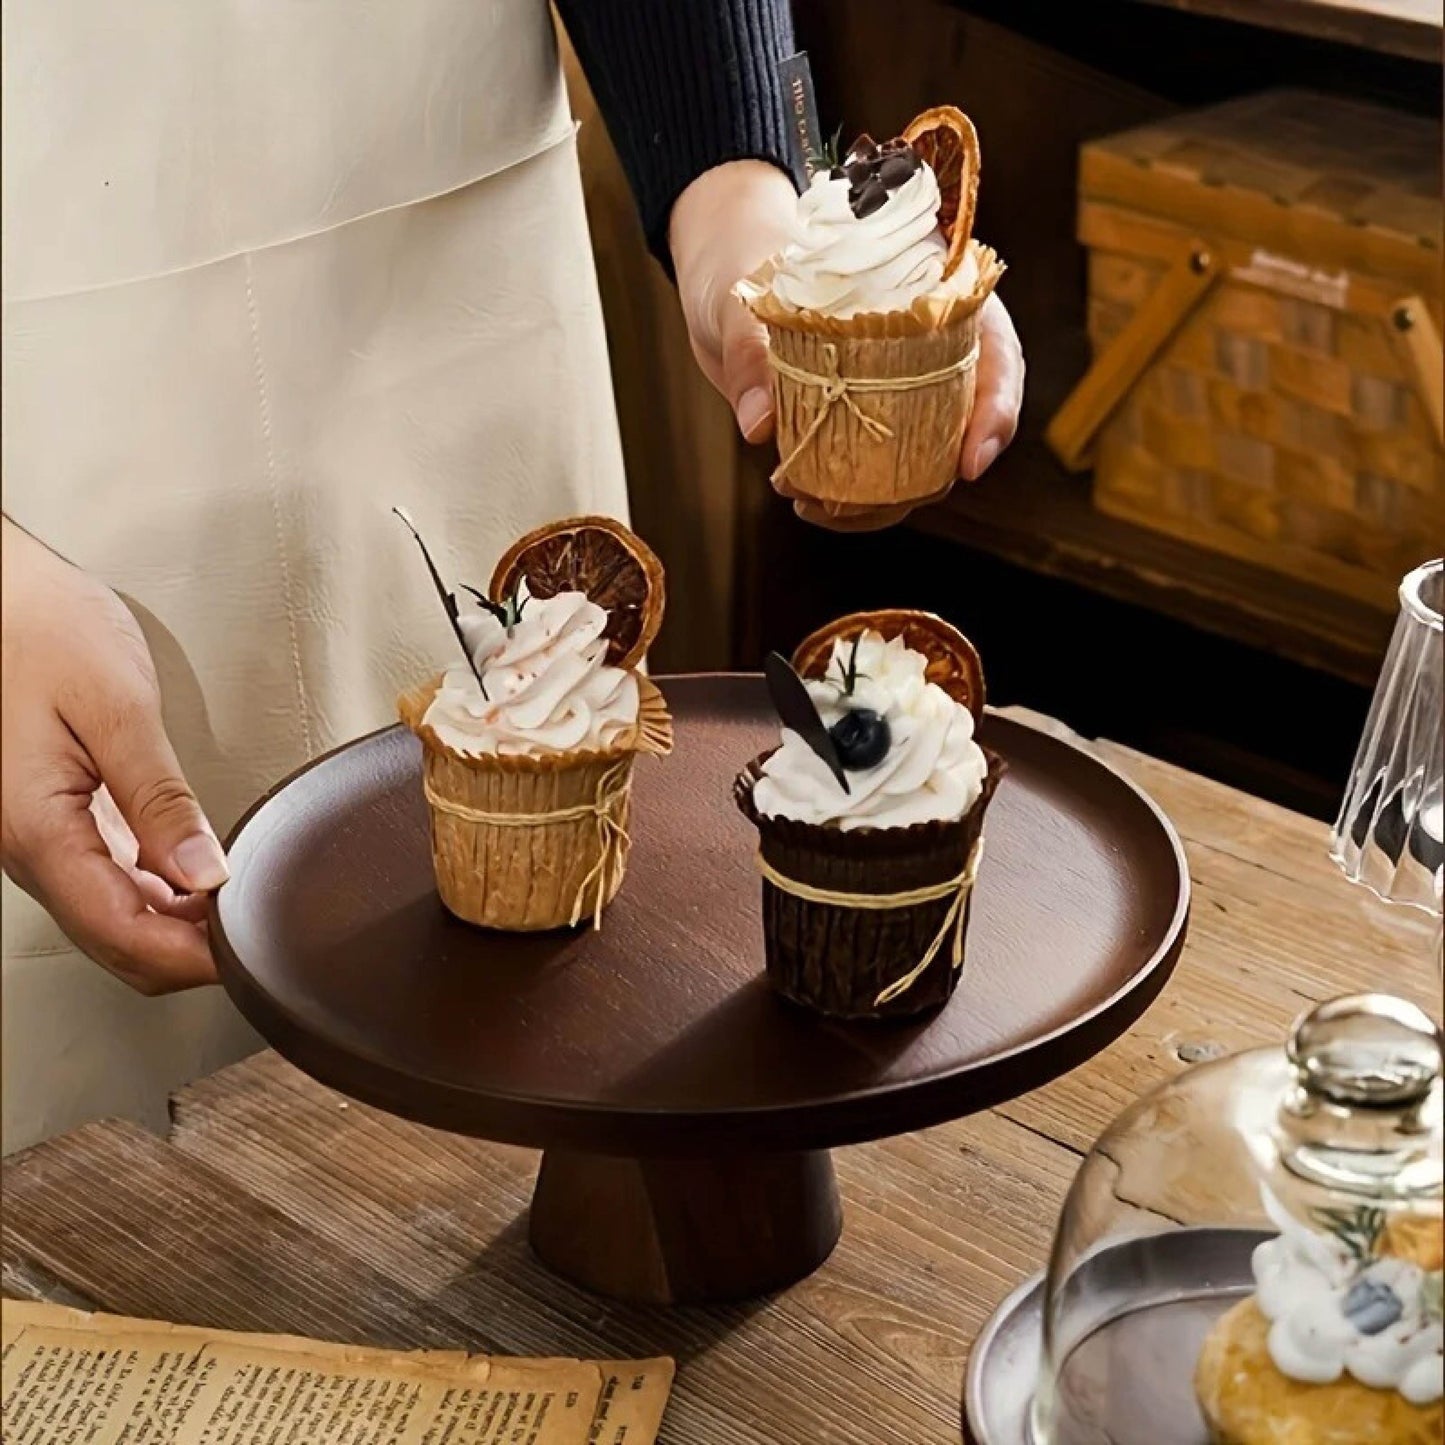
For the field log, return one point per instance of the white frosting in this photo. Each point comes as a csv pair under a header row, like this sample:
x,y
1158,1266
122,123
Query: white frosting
x,y
841,264
1302,1279
548,685
934,770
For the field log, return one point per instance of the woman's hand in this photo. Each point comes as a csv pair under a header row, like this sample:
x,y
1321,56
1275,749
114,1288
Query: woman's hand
x,y
999,394
724,225
96,820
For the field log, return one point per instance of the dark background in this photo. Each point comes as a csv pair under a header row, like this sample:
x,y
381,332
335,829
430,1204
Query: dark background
x,y
1039,78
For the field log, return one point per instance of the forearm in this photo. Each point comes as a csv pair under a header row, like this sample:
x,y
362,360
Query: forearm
x,y
683,87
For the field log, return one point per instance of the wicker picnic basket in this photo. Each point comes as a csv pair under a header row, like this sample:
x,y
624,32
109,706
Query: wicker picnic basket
x,y
1265,296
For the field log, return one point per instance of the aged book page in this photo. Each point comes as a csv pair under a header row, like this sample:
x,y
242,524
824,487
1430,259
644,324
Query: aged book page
x,y
105,1380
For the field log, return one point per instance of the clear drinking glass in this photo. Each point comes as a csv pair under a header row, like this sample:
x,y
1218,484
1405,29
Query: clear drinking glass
x,y
1390,834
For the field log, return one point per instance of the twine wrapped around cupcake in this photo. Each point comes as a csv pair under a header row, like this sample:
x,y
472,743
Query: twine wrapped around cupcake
x,y
863,919
871,409
526,842
526,835
868,923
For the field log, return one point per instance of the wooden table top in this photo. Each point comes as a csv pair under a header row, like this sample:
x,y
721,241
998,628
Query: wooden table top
x,y
277,1205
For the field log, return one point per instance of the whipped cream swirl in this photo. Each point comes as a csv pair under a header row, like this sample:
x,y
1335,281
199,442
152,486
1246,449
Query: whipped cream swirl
x,y
1312,1289
933,771
549,687
842,264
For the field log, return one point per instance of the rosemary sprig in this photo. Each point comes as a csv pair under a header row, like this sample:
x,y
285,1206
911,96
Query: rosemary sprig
x,y
1359,1230
509,611
828,157
849,671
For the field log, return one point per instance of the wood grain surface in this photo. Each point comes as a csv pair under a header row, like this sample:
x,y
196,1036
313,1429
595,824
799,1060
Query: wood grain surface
x,y
657,1034
276,1204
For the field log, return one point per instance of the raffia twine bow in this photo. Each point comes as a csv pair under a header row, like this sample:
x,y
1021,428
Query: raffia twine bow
x,y
839,388
958,888
613,840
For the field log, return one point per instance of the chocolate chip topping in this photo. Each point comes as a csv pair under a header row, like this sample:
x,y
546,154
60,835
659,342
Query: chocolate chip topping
x,y
872,172
871,196
898,168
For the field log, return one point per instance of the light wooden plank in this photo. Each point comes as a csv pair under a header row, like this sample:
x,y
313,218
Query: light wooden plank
x,y
939,1226
1119,365
280,1205
127,1223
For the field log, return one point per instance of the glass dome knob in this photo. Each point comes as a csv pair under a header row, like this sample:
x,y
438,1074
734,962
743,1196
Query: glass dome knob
x,y
1364,1111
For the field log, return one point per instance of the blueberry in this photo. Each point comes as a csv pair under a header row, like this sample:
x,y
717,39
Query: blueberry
x,y
862,738
1370,1306
860,172
837,173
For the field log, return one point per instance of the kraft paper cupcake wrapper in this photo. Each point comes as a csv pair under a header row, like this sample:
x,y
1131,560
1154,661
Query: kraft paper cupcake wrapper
x,y
856,962
525,843
871,410
926,314
859,509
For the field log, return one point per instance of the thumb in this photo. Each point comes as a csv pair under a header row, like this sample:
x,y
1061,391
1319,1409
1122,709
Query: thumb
x,y
128,744
747,381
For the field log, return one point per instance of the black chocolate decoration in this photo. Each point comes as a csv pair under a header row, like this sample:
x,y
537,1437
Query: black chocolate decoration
x,y
449,601
798,711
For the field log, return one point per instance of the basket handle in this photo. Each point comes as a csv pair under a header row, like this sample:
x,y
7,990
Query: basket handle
x,y
1419,343
1119,365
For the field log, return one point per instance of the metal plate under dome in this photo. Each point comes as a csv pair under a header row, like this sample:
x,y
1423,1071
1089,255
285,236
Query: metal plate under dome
x,y
1171,1288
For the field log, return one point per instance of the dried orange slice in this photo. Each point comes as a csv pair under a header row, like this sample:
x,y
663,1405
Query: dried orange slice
x,y
953,661
946,139
613,566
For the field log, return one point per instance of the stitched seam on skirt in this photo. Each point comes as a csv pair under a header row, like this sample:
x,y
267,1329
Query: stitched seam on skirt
x,y
264,402
570,134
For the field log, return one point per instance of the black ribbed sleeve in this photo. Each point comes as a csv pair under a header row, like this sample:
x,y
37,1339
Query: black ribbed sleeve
x,y
683,85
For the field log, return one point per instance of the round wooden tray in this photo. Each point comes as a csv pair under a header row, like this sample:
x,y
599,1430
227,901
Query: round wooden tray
x,y
686,1111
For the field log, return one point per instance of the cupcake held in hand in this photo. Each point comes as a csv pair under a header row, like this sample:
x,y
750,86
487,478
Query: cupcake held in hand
x,y
870,815
873,320
528,747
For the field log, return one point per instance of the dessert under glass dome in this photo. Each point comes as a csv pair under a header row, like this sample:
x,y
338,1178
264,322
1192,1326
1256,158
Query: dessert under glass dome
x,y
1249,1253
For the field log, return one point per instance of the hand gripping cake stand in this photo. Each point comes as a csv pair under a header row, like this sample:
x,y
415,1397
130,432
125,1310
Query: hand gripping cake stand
x,y
684,1112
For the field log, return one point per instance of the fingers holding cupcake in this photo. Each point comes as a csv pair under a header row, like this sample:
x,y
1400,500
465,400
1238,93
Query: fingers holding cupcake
x,y
885,338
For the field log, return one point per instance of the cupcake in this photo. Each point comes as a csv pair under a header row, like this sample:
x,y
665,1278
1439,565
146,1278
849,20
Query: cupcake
x,y
873,320
528,746
1341,1341
870,815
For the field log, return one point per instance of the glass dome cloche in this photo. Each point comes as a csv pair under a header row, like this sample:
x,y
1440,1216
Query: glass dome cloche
x,y
1252,1253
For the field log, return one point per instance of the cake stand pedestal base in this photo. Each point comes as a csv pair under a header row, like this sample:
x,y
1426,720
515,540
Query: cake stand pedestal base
x,y
685,1231
682,1109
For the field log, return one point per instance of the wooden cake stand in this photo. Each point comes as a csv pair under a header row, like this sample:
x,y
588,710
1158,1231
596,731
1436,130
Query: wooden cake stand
x,y
685,1111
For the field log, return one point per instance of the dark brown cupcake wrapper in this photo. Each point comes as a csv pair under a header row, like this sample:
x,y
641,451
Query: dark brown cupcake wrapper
x,y
838,960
